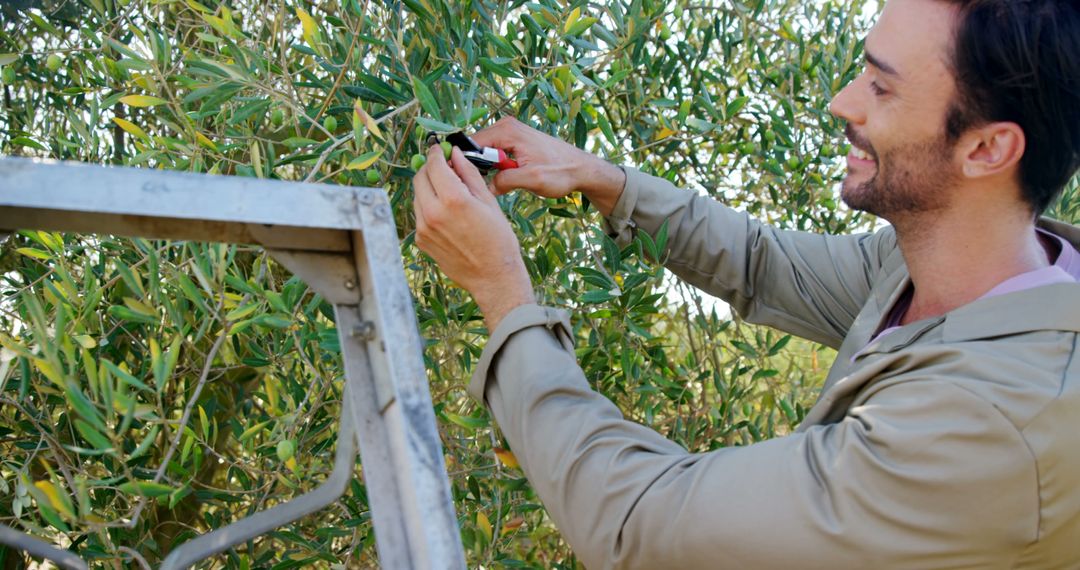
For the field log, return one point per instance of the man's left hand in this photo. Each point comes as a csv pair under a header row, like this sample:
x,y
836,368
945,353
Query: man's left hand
x,y
460,225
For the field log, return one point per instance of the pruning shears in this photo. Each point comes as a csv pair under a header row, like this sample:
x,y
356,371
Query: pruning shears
x,y
484,158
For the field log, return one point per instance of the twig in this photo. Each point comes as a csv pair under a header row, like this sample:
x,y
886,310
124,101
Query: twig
x,y
54,445
326,153
207,366
135,556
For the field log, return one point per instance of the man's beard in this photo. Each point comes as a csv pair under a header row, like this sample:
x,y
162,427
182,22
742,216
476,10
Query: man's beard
x,y
910,179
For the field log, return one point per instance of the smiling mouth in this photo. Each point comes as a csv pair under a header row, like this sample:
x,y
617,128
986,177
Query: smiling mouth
x,y
857,143
860,153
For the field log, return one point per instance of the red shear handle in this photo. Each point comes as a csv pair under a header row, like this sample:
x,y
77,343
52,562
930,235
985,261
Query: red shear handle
x,y
505,162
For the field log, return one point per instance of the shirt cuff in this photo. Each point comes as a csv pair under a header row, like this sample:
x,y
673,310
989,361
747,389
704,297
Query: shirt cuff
x,y
619,224
525,316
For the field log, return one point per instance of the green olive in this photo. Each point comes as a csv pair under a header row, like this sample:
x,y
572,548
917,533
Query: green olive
x,y
330,123
665,32
277,117
286,449
417,161
553,113
372,176
8,75
447,148
53,62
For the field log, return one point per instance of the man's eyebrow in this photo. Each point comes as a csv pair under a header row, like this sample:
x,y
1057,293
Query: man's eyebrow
x,y
876,62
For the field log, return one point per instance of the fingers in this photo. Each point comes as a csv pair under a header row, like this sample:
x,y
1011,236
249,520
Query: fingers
x,y
469,174
419,235
450,187
424,199
506,133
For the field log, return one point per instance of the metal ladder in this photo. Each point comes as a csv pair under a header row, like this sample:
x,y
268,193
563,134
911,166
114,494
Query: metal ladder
x,y
343,243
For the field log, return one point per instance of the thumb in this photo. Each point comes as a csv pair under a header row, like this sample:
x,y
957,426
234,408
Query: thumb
x,y
524,177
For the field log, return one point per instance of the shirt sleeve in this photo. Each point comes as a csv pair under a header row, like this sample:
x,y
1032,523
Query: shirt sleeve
x,y
808,284
923,475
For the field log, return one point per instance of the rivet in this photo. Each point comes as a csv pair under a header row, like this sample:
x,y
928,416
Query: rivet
x,y
365,330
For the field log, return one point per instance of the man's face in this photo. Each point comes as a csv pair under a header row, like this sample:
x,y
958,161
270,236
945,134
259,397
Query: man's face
x,y
900,161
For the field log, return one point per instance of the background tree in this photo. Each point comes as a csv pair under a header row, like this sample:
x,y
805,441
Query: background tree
x,y
151,390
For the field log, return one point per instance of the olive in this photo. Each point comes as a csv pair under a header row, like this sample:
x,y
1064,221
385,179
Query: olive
x,y
553,113
286,449
417,161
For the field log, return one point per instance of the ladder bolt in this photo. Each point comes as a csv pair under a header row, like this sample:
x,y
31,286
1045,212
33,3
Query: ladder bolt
x,y
365,330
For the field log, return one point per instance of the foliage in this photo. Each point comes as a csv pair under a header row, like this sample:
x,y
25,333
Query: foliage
x,y
151,390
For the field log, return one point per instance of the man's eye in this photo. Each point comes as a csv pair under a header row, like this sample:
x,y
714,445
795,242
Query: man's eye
x,y
877,88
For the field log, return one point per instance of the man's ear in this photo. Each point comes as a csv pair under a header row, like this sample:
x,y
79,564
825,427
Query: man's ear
x,y
992,149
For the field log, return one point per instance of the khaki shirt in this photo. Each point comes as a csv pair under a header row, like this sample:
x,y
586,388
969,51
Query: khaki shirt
x,y
953,442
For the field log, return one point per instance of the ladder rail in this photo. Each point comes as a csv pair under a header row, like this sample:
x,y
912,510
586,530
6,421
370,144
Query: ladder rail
x,y
343,243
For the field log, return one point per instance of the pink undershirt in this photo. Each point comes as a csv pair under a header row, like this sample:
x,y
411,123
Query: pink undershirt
x,y
1065,270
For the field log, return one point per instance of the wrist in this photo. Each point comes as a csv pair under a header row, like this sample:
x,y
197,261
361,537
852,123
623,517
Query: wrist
x,y
603,183
497,307
498,297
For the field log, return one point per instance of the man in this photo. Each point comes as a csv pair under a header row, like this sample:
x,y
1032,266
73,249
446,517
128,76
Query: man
x,y
948,431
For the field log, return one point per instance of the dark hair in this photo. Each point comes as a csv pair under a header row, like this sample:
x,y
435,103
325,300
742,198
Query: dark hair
x,y
1019,61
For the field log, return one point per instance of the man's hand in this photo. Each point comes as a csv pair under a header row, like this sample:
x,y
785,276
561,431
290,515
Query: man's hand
x,y
551,168
459,224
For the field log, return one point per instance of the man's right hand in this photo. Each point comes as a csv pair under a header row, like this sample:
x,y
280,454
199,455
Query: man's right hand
x,y
551,168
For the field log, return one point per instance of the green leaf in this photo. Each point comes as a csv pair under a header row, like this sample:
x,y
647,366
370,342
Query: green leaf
x,y
780,344
96,438
364,161
125,377
426,98
436,126
700,125
142,101
593,297
146,489
467,422
298,142
241,312
605,127
27,141
735,106
126,314
579,27
418,9
131,128
499,69
145,444
35,253
662,238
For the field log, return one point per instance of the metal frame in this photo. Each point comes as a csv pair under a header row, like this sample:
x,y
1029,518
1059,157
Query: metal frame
x,y
343,242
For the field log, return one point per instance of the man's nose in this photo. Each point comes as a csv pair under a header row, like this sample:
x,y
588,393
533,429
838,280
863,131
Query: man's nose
x,y
845,105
